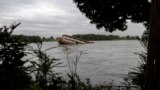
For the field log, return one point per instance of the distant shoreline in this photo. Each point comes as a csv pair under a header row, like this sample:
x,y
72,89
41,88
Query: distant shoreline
x,y
101,40
97,37
89,37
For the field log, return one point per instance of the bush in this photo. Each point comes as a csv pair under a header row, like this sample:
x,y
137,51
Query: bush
x,y
13,73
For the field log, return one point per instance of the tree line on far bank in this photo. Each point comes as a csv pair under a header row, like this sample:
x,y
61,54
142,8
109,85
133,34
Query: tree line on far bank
x,y
96,37
92,37
31,39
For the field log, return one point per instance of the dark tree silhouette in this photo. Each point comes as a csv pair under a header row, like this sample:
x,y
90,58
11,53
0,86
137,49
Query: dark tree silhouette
x,y
113,15
13,74
153,59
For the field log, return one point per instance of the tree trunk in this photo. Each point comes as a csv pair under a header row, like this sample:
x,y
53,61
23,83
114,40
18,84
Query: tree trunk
x,y
153,60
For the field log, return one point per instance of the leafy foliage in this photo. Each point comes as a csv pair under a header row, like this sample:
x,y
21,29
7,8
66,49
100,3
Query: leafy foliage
x,y
113,14
13,73
43,69
138,75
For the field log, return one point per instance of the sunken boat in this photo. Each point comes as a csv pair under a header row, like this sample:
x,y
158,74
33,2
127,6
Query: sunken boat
x,y
66,39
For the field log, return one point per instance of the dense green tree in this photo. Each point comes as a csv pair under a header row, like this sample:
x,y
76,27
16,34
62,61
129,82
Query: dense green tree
x,y
13,73
113,15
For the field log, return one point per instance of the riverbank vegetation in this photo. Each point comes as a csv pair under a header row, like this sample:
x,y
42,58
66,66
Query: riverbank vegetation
x,y
32,39
98,37
137,76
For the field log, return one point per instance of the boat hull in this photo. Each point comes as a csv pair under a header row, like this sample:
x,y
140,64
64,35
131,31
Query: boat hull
x,y
65,39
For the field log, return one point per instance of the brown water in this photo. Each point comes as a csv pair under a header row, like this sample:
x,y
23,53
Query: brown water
x,y
103,61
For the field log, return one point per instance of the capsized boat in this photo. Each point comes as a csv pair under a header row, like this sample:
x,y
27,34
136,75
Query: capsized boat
x,y
66,39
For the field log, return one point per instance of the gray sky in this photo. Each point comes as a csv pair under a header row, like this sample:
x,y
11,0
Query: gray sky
x,y
52,18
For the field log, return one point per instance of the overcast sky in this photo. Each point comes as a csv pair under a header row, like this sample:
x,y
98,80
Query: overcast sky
x,y
52,18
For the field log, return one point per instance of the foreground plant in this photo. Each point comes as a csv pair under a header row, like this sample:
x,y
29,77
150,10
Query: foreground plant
x,y
43,68
13,73
138,75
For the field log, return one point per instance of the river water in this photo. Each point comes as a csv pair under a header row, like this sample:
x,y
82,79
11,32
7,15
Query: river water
x,y
101,61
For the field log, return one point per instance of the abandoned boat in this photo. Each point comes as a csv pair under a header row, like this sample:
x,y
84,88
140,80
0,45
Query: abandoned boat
x,y
66,39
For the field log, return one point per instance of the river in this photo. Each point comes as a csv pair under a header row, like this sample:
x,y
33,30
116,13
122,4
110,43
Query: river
x,y
101,61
